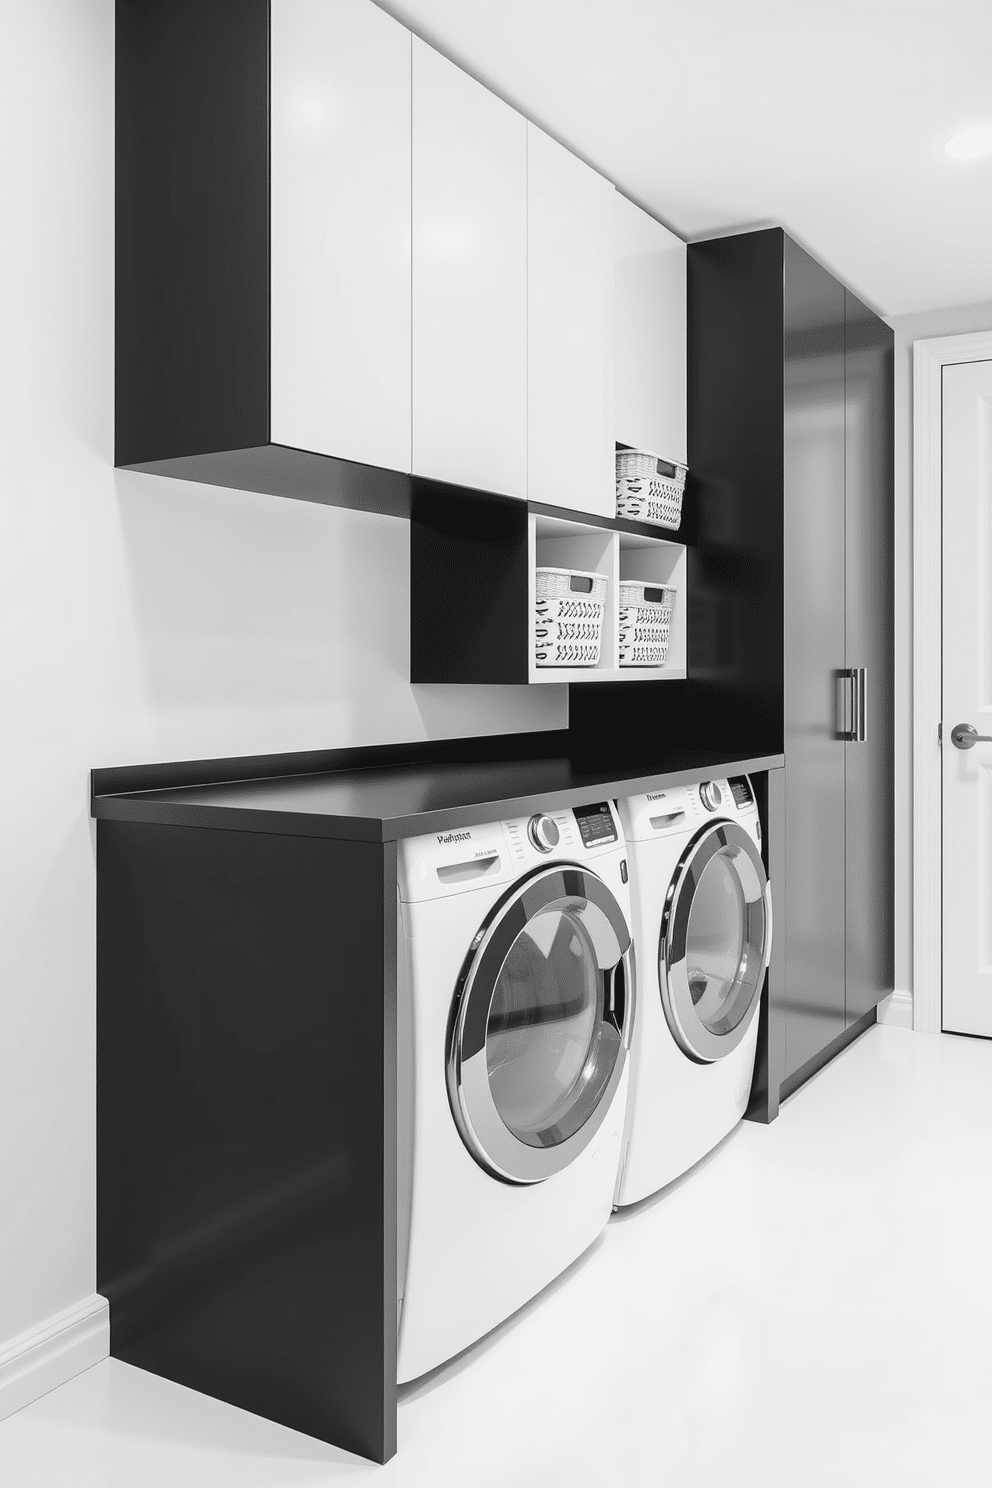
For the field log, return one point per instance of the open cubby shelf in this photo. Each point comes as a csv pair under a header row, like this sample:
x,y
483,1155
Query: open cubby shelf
x,y
472,586
618,553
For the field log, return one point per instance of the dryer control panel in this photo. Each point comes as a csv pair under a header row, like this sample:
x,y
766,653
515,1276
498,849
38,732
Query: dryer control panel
x,y
740,789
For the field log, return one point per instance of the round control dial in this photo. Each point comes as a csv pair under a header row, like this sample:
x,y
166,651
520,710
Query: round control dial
x,y
543,832
710,794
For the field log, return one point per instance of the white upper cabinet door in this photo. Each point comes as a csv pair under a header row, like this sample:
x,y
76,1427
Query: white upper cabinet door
x,y
469,281
570,289
650,335
341,231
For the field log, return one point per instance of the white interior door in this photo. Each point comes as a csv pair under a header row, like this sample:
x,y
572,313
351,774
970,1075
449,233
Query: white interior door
x,y
967,697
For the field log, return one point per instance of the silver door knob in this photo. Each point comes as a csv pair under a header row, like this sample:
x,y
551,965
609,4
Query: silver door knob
x,y
964,736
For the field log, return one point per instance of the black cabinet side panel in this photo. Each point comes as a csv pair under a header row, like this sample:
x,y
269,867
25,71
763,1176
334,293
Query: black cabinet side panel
x,y
246,1151
382,1393
869,610
814,651
732,524
769,1063
735,615
468,586
192,206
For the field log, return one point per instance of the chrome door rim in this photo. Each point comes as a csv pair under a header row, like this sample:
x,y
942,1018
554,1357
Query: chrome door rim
x,y
696,1040
490,1141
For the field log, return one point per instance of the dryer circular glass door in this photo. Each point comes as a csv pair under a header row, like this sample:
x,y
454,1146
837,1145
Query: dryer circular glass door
x,y
540,1024
716,934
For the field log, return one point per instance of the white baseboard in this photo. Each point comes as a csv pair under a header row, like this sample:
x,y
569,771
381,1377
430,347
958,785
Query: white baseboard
x,y
53,1352
896,1011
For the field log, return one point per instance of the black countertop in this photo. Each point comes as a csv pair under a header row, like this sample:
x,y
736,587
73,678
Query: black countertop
x,y
383,802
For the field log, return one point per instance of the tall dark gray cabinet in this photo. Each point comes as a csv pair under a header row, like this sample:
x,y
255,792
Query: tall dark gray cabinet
x,y
838,517
772,331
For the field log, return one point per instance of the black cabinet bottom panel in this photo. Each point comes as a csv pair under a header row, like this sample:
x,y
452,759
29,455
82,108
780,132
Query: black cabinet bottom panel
x,y
819,1060
278,470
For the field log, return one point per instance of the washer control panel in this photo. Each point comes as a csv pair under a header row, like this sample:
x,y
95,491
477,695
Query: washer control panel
x,y
683,809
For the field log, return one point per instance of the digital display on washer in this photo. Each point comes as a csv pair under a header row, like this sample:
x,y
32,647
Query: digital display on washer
x,y
742,792
596,824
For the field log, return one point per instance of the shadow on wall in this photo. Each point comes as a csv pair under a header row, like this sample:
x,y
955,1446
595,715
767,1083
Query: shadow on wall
x,y
243,598
46,1062
291,616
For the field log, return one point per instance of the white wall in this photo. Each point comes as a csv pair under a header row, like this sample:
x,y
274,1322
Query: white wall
x,y
910,328
139,620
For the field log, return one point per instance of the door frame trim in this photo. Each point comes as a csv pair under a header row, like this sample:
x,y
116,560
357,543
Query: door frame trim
x,y
930,357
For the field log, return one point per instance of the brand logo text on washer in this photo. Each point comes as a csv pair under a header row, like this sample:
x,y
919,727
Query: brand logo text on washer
x,y
454,836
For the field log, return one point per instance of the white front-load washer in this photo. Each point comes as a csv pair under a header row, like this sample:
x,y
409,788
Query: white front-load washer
x,y
702,921
514,1012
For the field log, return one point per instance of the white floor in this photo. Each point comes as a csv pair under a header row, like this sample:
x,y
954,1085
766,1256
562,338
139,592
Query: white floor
x,y
812,1305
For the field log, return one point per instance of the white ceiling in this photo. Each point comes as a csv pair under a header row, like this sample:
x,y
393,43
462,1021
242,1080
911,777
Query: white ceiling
x,y
826,116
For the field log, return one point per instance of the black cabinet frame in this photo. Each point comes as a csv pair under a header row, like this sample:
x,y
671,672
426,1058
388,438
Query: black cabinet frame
x,y
246,1055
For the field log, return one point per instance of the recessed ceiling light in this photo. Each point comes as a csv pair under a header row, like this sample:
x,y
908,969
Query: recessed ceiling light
x,y
970,144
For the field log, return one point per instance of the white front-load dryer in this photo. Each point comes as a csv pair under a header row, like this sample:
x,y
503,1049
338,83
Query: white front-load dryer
x,y
702,921
515,1006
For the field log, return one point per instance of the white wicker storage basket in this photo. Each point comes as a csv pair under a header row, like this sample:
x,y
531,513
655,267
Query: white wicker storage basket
x,y
645,623
649,489
569,610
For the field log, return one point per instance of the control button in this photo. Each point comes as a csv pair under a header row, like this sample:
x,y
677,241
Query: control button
x,y
543,832
623,870
710,794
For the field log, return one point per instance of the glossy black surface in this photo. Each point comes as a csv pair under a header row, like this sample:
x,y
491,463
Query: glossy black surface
x,y
392,801
192,222
170,774
869,642
246,1121
814,444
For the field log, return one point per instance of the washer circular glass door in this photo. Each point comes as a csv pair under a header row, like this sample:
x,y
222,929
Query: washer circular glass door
x,y
716,934
540,1024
